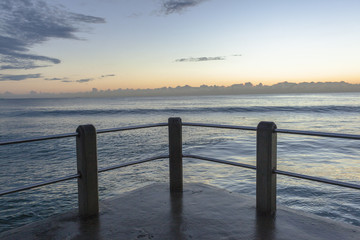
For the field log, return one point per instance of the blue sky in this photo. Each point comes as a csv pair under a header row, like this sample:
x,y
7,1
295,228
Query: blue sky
x,y
77,45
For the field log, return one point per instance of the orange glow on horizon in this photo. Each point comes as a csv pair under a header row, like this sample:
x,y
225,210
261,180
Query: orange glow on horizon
x,y
114,83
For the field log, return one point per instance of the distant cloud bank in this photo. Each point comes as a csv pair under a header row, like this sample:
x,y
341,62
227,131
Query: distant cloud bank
x,y
200,59
235,89
204,59
18,77
83,80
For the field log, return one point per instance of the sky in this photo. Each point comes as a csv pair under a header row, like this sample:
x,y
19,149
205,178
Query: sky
x,y
76,45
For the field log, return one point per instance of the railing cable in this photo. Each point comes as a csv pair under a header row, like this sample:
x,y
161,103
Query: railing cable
x,y
319,134
40,184
318,179
132,163
246,128
131,128
220,161
36,139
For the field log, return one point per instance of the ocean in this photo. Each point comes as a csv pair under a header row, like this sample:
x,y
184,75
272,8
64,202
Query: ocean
x,y
27,163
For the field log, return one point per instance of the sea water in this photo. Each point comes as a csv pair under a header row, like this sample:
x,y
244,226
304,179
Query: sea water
x,y
27,163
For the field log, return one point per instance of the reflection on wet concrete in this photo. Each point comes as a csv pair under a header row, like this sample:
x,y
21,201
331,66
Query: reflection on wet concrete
x,y
177,222
265,226
89,228
199,212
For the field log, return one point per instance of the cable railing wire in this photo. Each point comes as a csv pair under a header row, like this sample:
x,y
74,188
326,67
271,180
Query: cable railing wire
x,y
319,134
318,179
40,184
280,172
65,178
288,131
246,128
105,169
36,139
67,135
131,128
243,165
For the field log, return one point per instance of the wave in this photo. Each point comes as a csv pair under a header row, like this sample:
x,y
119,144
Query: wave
x,y
331,109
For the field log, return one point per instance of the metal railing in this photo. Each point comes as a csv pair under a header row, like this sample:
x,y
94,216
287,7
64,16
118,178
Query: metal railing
x,y
266,148
76,134
280,172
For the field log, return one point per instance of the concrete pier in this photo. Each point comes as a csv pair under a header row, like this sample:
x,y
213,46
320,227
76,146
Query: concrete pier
x,y
199,212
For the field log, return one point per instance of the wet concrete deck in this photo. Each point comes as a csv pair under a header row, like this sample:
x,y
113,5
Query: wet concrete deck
x,y
200,212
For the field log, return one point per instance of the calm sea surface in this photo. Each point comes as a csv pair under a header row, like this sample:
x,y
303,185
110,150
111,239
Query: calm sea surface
x,y
27,163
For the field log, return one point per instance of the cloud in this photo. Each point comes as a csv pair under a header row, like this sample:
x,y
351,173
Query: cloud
x,y
176,6
54,79
18,77
25,23
134,15
200,59
66,80
19,65
84,80
108,75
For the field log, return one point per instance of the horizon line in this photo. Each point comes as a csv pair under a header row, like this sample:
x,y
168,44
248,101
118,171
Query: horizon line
x,y
238,88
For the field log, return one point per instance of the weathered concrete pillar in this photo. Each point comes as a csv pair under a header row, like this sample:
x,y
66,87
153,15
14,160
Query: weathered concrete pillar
x,y
265,165
86,150
175,155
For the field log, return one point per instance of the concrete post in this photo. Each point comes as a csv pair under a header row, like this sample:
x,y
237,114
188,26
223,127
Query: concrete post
x,y
265,165
175,154
86,150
